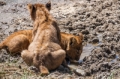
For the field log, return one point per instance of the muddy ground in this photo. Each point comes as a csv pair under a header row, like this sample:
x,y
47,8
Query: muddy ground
x,y
98,20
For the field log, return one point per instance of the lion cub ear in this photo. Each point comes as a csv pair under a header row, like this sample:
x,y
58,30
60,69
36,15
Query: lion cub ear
x,y
80,35
73,41
48,5
31,9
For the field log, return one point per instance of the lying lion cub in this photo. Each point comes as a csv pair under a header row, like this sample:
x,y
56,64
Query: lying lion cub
x,y
17,42
44,52
72,45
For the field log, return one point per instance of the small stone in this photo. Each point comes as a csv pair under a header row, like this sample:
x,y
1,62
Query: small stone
x,y
33,68
95,40
68,77
2,3
85,32
20,67
80,72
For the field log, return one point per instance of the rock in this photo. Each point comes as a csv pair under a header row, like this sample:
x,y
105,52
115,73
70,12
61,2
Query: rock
x,y
88,72
107,50
93,68
86,37
104,66
100,29
95,40
80,72
2,3
68,77
85,32
19,67
81,26
33,68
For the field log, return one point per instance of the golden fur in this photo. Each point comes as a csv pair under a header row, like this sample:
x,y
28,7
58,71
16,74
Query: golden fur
x,y
72,44
44,52
15,44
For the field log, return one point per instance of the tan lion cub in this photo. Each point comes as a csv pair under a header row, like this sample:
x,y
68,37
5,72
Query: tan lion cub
x,y
72,44
17,42
44,52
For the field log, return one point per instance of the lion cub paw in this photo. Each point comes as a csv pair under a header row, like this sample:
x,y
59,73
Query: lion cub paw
x,y
44,70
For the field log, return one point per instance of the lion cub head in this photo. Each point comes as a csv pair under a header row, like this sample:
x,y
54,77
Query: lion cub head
x,y
41,17
72,45
36,10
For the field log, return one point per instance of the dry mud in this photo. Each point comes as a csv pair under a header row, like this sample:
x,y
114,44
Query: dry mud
x,y
98,20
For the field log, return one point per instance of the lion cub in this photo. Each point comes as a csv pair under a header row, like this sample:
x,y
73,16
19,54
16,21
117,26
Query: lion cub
x,y
17,42
72,44
44,52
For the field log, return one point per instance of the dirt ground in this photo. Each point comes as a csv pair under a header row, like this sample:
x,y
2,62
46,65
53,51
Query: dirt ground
x,y
98,20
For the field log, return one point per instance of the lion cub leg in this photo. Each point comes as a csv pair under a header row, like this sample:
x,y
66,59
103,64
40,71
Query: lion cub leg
x,y
43,70
64,63
27,57
51,61
57,58
39,62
